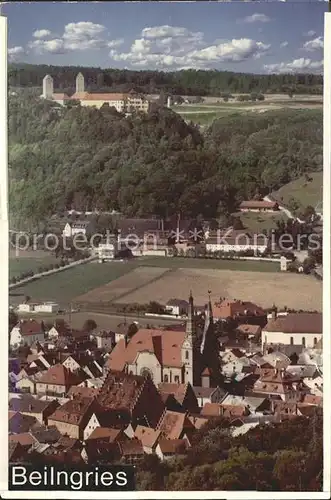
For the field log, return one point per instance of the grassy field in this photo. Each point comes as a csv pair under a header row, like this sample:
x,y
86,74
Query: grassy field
x,y
303,191
65,286
264,289
21,264
205,113
257,222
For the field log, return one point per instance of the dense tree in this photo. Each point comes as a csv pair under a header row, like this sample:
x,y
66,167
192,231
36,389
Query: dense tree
x,y
186,82
85,158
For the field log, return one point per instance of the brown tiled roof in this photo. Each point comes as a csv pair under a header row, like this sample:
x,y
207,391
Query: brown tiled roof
x,y
86,96
178,390
60,375
85,392
79,95
163,343
234,411
30,327
312,400
30,405
43,434
258,204
172,424
211,410
59,95
21,423
68,443
24,439
120,390
131,447
234,308
173,446
147,436
106,434
74,411
206,372
275,381
249,329
296,323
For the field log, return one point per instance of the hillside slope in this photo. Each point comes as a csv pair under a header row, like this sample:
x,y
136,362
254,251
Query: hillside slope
x,y
307,190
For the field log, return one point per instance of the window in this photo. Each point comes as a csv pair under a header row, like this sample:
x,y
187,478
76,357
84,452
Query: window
x,y
176,379
187,355
166,378
315,340
291,340
303,341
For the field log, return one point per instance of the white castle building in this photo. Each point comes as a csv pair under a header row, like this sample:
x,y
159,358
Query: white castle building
x,y
123,102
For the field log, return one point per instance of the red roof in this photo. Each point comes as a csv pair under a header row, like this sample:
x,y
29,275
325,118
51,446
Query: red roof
x,y
60,375
258,204
296,323
235,308
30,327
165,344
59,95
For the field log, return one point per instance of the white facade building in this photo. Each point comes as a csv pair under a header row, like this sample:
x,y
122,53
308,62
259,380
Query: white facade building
x,y
303,329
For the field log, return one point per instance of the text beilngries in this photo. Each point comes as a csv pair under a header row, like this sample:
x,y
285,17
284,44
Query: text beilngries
x,y
92,478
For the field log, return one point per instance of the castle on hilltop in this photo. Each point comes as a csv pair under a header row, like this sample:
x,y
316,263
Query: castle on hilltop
x,y
123,102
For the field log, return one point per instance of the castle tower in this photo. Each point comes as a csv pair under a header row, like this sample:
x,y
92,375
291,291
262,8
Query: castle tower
x,y
187,353
48,87
80,83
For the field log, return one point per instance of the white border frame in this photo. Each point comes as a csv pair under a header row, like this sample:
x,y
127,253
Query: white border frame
x,y
4,311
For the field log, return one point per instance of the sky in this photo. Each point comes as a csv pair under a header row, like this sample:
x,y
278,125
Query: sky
x,y
249,37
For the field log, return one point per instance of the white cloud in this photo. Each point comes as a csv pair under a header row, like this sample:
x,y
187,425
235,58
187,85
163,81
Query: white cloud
x,y
254,18
313,45
14,53
295,66
167,54
41,34
165,31
83,35
284,44
310,33
115,43
55,46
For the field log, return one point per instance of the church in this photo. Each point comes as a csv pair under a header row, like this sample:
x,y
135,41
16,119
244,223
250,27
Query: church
x,y
171,356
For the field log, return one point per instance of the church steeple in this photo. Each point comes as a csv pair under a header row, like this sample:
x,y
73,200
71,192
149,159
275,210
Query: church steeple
x,y
209,323
190,324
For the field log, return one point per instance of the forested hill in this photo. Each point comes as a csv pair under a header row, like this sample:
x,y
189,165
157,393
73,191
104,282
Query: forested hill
x,y
185,82
151,164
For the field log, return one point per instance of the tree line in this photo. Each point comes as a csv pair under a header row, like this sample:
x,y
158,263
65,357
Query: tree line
x,y
186,82
276,457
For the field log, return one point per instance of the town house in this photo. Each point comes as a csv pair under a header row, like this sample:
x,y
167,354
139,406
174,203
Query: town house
x,y
26,332
37,408
294,329
72,417
57,380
